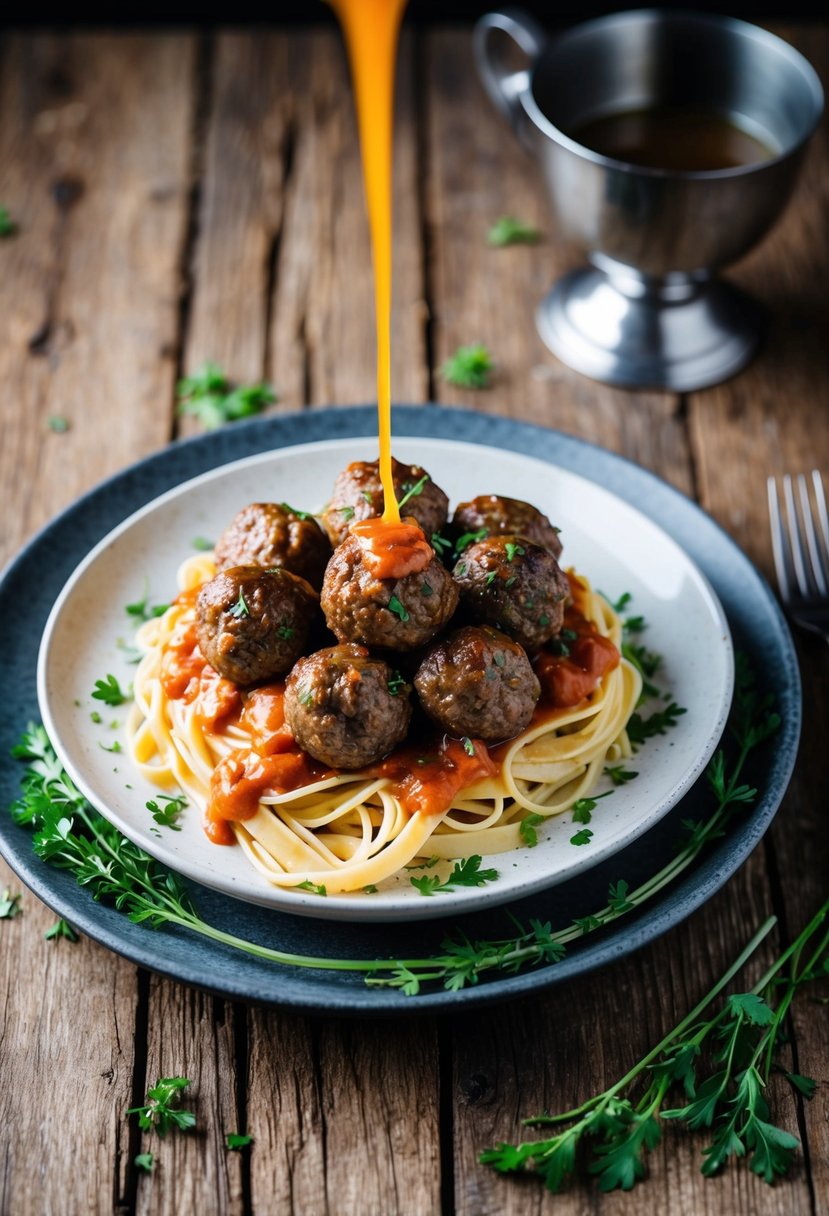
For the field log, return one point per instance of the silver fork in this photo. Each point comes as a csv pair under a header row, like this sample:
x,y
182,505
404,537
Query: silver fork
x,y
800,543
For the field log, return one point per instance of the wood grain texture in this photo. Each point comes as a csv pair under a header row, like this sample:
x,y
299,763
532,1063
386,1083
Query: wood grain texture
x,y
93,155
345,1116
475,172
191,1034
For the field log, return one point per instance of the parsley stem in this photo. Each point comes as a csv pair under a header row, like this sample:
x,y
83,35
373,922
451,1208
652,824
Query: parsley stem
x,y
654,1053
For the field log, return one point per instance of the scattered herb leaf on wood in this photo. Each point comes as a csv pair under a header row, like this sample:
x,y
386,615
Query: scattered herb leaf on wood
x,y
209,397
469,367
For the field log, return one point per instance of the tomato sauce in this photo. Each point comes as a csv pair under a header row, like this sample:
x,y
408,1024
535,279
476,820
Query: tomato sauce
x,y
429,781
240,779
392,550
586,656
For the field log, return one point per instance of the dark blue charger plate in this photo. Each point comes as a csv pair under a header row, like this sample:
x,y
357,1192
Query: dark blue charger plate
x,y
32,582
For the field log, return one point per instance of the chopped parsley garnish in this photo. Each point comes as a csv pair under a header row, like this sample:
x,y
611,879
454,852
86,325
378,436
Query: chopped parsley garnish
x,y
426,589
514,550
468,745
412,491
366,495
202,544
511,231
440,544
466,873
307,885
470,538
167,816
286,632
96,717
305,696
619,775
109,691
116,747
659,723
544,619
509,581
144,610
295,511
9,905
162,1111
634,624
7,225
620,604
58,424
240,608
583,807
490,578
235,1141
397,608
61,928
469,367
209,397
396,684
526,829
583,836
144,1161
347,513
370,889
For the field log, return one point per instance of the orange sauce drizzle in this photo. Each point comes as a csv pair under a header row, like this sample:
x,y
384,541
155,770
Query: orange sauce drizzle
x,y
392,550
371,29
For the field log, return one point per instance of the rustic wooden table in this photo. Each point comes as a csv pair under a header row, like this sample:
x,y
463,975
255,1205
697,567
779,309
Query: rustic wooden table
x,y
183,198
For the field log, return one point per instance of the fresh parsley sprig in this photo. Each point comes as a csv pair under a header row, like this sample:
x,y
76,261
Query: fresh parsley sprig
x,y
465,873
110,692
162,1111
621,1124
511,231
208,396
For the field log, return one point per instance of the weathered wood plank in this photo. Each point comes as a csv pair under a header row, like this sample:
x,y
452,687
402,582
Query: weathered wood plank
x,y
193,1035
476,172
324,1094
554,1051
93,166
773,419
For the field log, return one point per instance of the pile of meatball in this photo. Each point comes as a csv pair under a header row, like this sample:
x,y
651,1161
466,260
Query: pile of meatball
x,y
448,643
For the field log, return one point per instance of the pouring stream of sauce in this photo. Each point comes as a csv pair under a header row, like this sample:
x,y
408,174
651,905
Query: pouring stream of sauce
x,y
371,29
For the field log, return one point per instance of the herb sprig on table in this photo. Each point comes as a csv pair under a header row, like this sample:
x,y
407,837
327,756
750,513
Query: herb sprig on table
x,y
617,1127
469,367
70,834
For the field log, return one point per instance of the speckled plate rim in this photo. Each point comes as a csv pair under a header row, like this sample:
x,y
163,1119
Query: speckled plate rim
x,y
43,566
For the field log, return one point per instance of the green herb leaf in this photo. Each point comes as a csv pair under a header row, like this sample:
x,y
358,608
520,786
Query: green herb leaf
x,y
240,608
202,544
58,424
412,491
286,632
514,550
469,367
619,775
510,231
470,538
396,684
316,888
9,905
144,1161
527,829
208,396
109,691
347,513
167,816
468,745
659,723
236,1141
617,899
395,606
583,836
162,1111
465,873
7,225
144,610
61,928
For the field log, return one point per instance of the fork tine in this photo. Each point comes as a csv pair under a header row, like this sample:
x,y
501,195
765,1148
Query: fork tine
x,y
823,518
796,539
779,547
807,515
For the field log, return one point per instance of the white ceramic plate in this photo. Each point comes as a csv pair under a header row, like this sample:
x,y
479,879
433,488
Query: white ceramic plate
x,y
611,542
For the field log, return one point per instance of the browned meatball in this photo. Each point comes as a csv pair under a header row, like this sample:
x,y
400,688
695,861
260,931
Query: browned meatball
x,y
358,494
394,614
492,514
478,682
515,585
252,624
345,708
273,534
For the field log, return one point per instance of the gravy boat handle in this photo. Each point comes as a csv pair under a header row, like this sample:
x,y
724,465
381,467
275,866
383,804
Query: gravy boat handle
x,y
505,85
